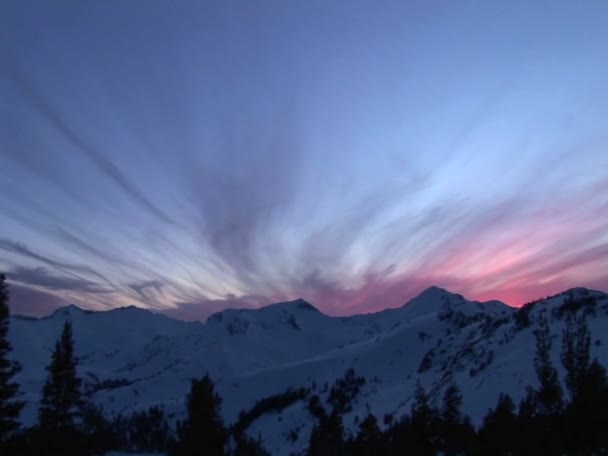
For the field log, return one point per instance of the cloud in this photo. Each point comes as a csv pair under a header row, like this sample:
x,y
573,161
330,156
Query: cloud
x,y
21,249
200,310
141,287
42,277
87,248
89,150
188,179
242,188
28,301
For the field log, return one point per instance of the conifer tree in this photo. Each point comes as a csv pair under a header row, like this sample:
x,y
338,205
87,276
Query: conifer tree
x,y
61,403
422,411
328,436
455,432
587,384
549,396
247,446
423,423
60,430
576,342
10,406
370,440
203,431
498,434
452,403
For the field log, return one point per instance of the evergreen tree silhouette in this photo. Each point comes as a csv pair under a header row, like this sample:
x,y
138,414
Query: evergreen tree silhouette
x,y
588,416
452,403
203,431
549,396
370,440
587,384
498,433
575,357
423,424
246,446
61,401
544,428
455,431
328,436
60,410
10,406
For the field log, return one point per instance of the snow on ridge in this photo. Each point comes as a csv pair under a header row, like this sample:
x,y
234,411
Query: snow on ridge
x,y
136,358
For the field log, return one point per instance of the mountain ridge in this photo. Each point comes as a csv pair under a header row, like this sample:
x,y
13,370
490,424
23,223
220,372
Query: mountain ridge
x,y
297,302
486,348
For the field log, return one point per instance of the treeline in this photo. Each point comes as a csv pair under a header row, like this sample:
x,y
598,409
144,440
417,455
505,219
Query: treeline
x,y
548,421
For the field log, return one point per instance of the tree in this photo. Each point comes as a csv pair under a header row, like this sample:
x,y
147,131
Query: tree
x,y
549,398
589,415
101,434
423,423
527,425
576,342
456,432
60,429
550,401
10,406
247,446
370,440
587,384
61,403
328,436
344,391
452,402
422,412
498,431
203,431
145,431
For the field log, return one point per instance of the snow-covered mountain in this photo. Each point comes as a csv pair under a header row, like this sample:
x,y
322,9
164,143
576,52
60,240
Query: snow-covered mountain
x,y
132,358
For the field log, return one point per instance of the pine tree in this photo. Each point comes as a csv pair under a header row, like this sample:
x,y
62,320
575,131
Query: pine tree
x,y
526,437
203,431
548,399
422,412
593,408
549,396
423,423
499,429
452,403
328,436
587,384
370,440
10,406
576,342
247,446
61,403
454,431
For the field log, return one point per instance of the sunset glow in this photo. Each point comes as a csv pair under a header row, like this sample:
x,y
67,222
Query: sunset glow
x,y
189,157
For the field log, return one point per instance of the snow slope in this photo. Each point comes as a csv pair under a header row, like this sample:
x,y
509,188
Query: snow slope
x,y
132,358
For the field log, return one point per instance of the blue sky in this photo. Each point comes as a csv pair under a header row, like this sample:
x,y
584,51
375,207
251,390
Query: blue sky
x,y
192,156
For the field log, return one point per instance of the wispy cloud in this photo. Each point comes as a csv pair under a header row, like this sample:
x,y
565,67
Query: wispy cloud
x,y
193,159
44,278
88,149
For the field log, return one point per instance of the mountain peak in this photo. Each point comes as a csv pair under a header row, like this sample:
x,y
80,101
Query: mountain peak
x,y
299,303
70,310
434,292
582,291
435,299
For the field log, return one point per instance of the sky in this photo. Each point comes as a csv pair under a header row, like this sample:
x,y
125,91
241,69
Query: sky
x,y
191,156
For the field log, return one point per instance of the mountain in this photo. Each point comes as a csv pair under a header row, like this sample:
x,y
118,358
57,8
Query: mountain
x,y
132,358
